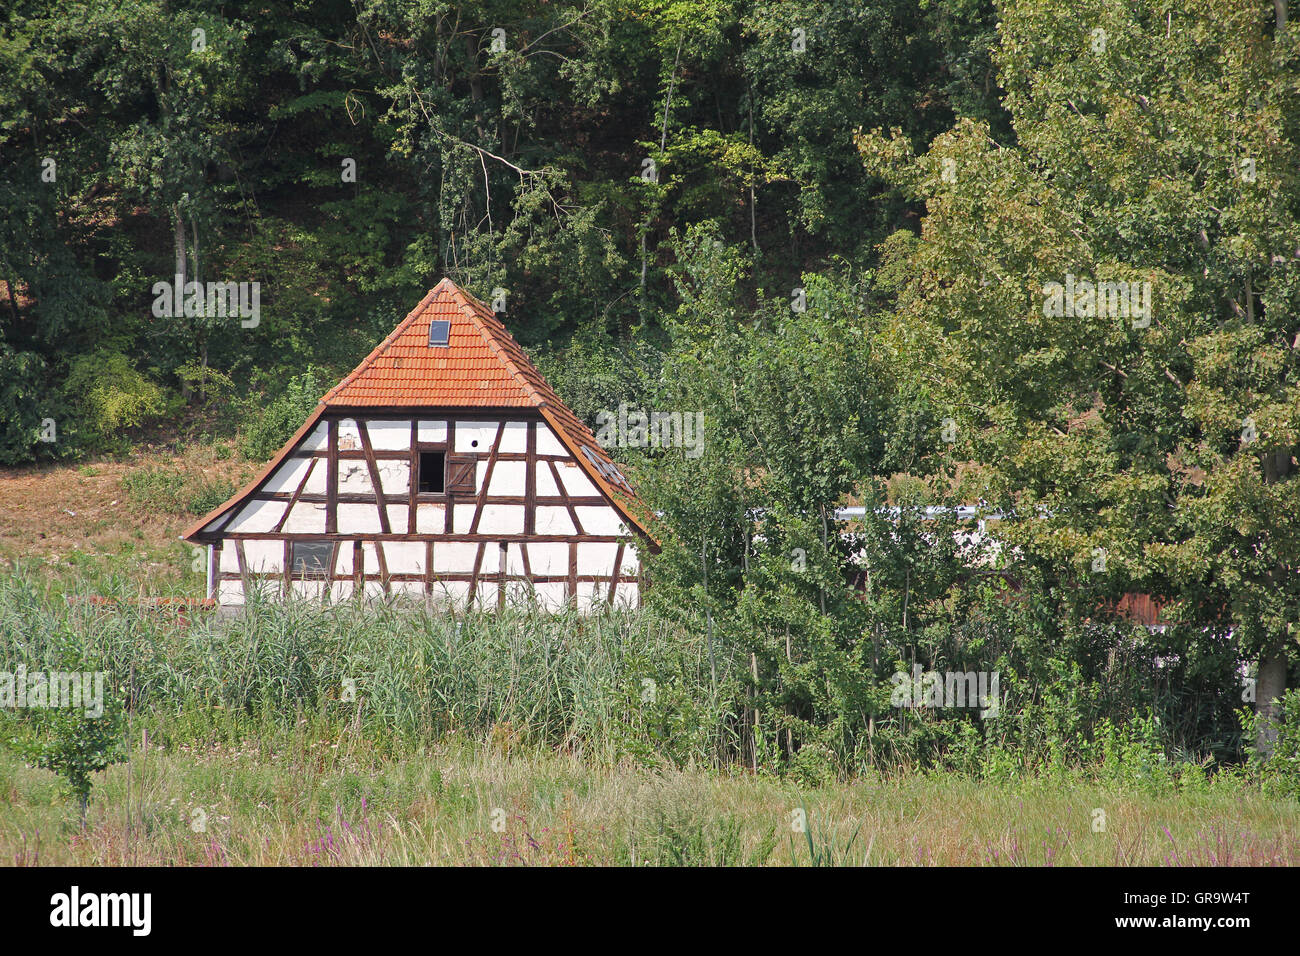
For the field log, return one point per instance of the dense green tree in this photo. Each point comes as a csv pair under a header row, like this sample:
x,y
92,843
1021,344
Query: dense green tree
x,y
1134,448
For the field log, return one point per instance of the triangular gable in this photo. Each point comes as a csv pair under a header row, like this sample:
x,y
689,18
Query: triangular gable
x,y
481,367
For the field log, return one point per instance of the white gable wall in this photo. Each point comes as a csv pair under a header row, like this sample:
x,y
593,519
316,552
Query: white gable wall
x,y
503,575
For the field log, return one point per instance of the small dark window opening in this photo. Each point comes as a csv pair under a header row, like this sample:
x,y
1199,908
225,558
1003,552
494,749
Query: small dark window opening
x,y
439,332
311,559
433,472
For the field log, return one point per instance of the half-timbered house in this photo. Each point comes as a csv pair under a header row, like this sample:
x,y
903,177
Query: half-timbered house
x,y
444,467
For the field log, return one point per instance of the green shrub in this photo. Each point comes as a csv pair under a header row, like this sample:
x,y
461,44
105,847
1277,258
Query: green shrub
x,y
1280,772
72,744
157,489
207,493
174,491
268,426
110,395
25,401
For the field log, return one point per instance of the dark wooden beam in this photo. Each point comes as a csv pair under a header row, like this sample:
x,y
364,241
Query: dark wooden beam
x,y
530,481
616,571
332,480
293,500
487,478
380,501
559,487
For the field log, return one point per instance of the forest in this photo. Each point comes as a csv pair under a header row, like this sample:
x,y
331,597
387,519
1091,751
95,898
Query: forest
x,y
900,257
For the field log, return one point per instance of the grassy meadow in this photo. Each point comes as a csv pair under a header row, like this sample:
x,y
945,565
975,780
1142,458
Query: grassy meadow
x,y
314,799
388,735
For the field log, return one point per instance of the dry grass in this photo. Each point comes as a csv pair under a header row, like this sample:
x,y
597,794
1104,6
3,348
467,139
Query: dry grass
x,y
340,803
54,512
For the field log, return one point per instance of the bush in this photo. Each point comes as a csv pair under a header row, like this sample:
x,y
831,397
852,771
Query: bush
x,y
110,395
1280,772
174,491
24,402
72,744
268,426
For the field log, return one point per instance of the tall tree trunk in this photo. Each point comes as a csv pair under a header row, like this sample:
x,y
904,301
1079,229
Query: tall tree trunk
x,y
178,244
178,248
1268,697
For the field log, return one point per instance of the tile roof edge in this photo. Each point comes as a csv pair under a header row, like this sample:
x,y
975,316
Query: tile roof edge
x,y
388,340
242,495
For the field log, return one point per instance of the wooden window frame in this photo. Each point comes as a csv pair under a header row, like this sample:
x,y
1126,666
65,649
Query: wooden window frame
x,y
327,569
421,448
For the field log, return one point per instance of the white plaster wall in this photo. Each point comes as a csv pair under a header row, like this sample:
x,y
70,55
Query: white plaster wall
x,y
547,442
467,433
288,476
515,438
432,431
450,593
462,518
430,518
319,478
257,516
389,435
601,557
515,558
491,560
344,563
370,555
591,596
576,482
228,560
600,519
508,478
550,597
486,595
554,520
397,517
629,595
358,519
395,477
312,590
501,519
318,440
405,557
454,556
518,594
306,518
230,592
349,435
341,591
354,477
264,557
546,486
548,559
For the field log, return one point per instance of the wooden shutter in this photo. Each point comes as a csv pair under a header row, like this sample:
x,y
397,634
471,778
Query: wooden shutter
x,y
462,474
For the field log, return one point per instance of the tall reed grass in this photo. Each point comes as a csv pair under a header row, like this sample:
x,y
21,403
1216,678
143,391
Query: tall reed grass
x,y
625,683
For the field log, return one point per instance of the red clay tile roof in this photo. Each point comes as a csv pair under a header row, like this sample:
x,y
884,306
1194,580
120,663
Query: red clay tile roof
x,y
481,367
472,371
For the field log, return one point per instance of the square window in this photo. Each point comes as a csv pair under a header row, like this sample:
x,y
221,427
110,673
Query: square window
x,y
311,559
432,472
440,332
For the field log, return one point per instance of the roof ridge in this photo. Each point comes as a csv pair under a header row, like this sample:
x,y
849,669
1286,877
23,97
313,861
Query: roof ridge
x,y
388,341
477,312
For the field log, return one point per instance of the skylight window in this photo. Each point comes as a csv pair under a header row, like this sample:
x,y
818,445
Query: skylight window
x,y
439,333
